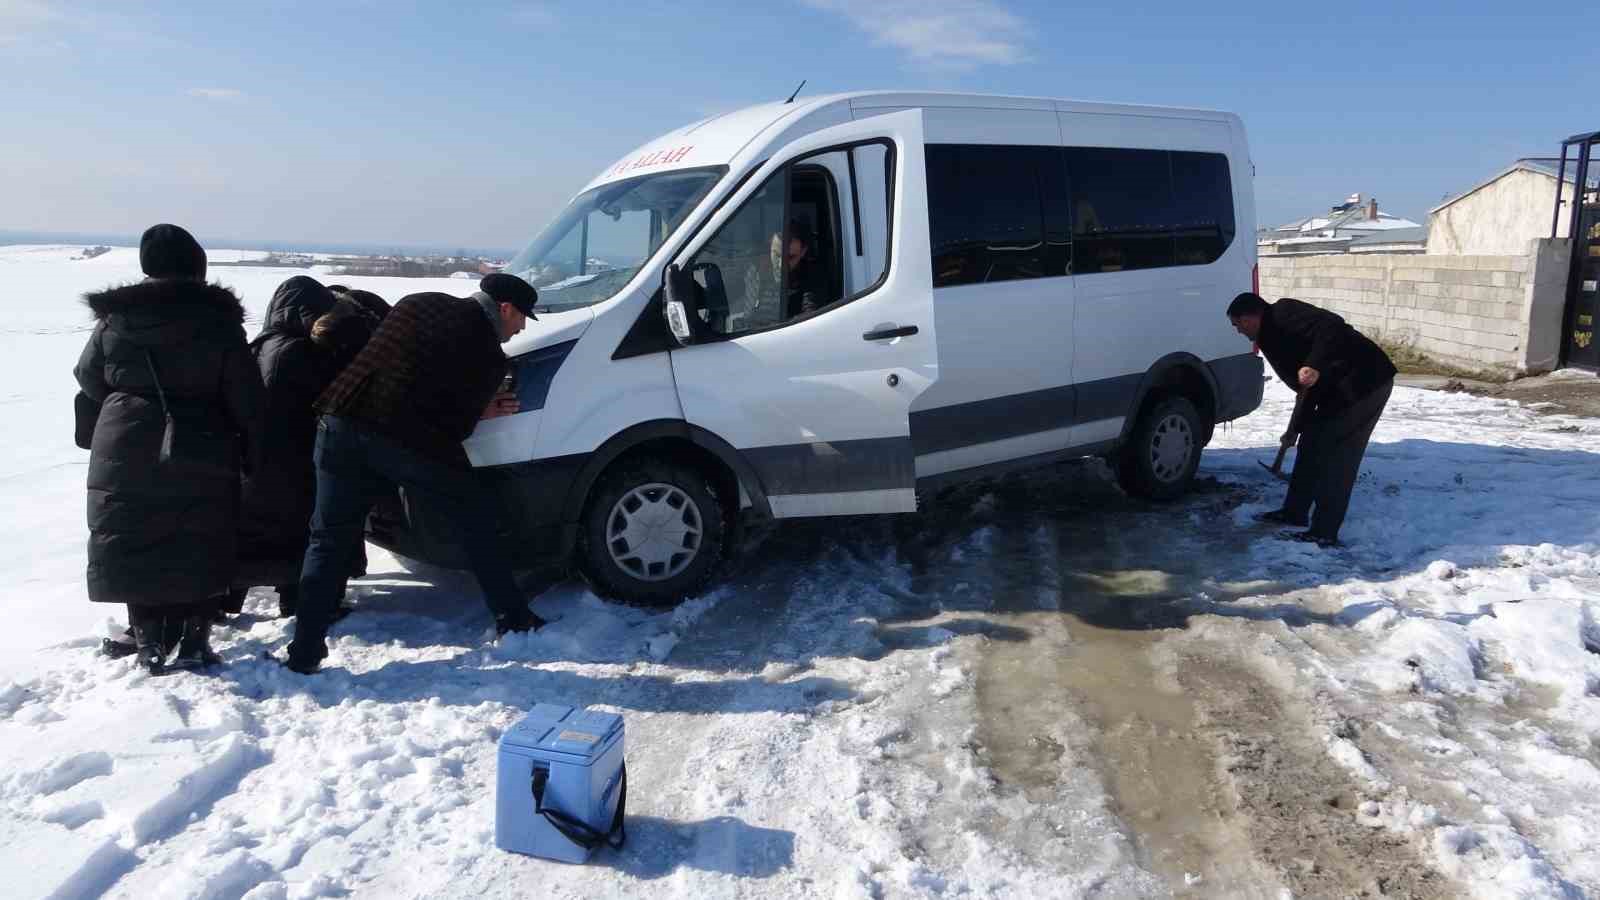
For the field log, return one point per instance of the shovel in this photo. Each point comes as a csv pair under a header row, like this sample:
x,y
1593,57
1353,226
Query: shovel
x,y
1290,436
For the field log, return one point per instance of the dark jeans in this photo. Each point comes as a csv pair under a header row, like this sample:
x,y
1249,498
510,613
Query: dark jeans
x,y
355,466
1329,459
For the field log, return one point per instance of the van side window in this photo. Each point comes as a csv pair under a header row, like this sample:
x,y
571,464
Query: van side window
x,y
987,212
1121,209
744,257
867,221
1202,201
800,243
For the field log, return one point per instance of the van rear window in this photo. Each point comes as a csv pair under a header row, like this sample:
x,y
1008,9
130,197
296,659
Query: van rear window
x,y
1001,213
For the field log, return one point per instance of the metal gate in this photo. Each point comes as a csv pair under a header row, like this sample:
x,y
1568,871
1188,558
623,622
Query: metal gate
x,y
1578,345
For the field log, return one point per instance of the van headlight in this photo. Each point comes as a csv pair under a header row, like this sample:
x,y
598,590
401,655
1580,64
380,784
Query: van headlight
x,y
533,371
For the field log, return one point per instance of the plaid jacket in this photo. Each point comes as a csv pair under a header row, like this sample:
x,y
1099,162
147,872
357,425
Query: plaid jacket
x,y
425,376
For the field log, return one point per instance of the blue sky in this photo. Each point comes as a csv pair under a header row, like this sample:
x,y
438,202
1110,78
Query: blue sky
x,y
420,123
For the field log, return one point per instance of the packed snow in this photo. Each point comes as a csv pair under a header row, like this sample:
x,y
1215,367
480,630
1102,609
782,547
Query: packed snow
x,y
1035,688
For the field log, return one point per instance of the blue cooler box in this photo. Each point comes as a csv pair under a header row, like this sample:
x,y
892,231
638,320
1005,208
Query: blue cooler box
x,y
561,783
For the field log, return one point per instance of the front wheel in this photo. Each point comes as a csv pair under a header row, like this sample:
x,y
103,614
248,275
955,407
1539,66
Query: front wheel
x,y
652,533
1161,455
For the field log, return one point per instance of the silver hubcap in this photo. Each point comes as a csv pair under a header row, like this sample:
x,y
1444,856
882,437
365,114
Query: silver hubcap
x,y
1170,448
654,532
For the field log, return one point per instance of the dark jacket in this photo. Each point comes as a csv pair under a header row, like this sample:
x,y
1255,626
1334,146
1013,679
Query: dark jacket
x,y
807,287
1295,334
164,533
426,376
280,494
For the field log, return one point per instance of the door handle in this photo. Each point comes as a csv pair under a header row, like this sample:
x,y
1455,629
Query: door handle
x,y
887,333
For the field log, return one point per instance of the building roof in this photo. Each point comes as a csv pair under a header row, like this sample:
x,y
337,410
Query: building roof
x,y
1547,166
1349,221
1415,234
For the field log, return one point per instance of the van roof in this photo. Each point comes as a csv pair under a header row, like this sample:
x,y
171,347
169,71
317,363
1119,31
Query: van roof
x,y
718,139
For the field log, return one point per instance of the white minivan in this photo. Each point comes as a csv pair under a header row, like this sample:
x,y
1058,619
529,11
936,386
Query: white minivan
x,y
832,306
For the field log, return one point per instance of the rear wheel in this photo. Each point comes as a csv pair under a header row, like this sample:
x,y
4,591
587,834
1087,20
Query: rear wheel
x,y
1161,455
652,533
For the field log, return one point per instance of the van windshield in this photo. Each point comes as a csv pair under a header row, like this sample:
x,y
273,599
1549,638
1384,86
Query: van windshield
x,y
605,235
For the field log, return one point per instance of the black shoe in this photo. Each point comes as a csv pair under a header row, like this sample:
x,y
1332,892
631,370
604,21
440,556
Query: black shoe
x,y
299,666
118,649
194,648
517,620
1307,537
295,659
1281,517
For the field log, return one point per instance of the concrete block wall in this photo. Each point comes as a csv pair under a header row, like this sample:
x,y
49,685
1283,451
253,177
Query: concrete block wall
x,y
1489,313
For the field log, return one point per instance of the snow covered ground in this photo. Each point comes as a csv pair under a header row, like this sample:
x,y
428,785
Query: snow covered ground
x,y
1035,688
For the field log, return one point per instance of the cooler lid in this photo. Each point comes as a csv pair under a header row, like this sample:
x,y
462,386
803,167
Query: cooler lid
x,y
553,728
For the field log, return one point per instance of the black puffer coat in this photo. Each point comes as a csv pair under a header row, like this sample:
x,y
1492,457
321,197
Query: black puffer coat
x,y
280,493
164,533
1295,334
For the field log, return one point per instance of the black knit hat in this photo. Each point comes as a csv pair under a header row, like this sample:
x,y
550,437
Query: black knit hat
x,y
167,251
503,288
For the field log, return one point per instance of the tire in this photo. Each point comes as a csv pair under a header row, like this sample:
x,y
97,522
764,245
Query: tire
x,y
1149,465
666,554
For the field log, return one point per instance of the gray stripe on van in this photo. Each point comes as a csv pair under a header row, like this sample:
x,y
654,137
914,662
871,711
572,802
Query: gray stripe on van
x,y
1106,398
998,418
829,467
878,464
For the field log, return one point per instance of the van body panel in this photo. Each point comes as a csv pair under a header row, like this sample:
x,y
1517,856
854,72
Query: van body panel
x,y
1016,127
595,397
815,407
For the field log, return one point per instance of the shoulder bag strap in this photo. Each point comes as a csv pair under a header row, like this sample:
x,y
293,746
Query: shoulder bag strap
x,y
157,379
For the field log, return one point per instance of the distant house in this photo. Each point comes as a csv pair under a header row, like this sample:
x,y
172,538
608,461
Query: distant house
x,y
1394,240
1339,230
1498,217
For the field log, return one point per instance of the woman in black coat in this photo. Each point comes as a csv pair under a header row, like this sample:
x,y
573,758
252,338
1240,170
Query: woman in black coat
x,y
179,404
299,350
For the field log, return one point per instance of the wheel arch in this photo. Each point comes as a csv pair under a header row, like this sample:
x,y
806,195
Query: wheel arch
x,y
1176,373
679,441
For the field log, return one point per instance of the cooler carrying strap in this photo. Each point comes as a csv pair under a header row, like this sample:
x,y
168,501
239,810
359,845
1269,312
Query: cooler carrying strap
x,y
576,830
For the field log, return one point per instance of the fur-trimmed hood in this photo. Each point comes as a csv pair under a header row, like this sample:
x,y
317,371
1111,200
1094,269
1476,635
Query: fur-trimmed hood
x,y
164,298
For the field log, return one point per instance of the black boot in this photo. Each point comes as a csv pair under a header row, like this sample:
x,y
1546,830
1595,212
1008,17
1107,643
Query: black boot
x,y
1281,517
147,626
119,647
194,649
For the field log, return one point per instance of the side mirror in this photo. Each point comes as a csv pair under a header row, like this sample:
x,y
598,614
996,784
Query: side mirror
x,y
681,305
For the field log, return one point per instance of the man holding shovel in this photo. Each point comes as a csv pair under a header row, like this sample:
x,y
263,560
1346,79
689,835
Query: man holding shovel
x,y
1342,382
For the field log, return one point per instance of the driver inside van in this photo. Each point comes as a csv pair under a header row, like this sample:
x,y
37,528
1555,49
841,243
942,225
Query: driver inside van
x,y
806,289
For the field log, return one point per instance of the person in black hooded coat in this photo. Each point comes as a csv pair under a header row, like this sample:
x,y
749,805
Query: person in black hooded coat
x,y
279,494
309,335
162,531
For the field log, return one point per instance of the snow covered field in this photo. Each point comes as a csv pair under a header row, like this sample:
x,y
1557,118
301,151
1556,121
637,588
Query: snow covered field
x,y
1035,688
